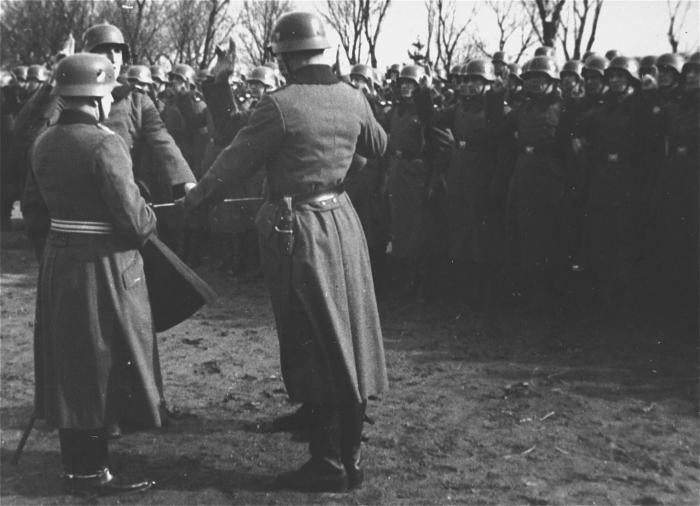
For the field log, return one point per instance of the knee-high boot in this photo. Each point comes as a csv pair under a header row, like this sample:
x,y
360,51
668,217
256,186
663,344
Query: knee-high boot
x,y
85,457
352,418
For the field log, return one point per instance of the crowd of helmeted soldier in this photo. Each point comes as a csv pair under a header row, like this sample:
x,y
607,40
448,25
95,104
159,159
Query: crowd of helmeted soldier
x,y
499,180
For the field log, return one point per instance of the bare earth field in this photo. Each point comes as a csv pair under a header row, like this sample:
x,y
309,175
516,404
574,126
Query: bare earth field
x,y
503,406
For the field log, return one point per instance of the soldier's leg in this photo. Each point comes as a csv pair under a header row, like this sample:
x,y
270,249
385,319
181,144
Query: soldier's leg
x,y
324,471
352,420
85,458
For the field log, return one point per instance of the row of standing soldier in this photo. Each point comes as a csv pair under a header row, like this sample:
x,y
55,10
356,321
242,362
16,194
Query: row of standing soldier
x,y
587,169
480,179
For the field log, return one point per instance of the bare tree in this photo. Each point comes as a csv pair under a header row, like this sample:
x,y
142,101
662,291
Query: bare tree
x,y
257,21
545,16
511,21
346,18
373,13
432,17
575,24
449,32
141,23
34,31
677,13
193,25
218,17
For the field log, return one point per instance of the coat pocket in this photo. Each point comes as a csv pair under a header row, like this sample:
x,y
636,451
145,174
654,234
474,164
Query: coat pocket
x,y
133,274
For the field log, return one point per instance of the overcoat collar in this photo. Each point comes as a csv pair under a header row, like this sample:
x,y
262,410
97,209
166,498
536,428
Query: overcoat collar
x,y
71,117
314,74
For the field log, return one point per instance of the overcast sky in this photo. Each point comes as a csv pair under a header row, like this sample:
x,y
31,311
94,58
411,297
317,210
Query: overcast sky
x,y
634,27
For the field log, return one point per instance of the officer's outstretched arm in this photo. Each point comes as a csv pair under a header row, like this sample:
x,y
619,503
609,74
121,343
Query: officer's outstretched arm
x,y
246,154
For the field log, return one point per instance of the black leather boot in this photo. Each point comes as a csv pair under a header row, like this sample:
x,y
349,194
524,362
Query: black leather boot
x,y
324,471
85,462
352,418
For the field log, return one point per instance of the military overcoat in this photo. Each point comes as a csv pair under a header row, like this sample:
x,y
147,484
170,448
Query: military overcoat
x,y
408,174
305,135
538,184
675,196
621,151
94,358
476,124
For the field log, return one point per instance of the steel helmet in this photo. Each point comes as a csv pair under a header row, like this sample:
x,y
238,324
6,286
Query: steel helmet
x,y
6,78
671,61
498,56
264,75
298,31
395,67
595,64
480,68
692,63
20,72
647,62
541,65
572,67
37,73
412,73
158,74
364,71
629,65
84,75
140,74
545,51
455,70
611,54
104,34
514,70
184,72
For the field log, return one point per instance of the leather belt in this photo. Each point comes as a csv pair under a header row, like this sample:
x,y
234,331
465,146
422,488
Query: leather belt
x,y
322,196
81,227
321,199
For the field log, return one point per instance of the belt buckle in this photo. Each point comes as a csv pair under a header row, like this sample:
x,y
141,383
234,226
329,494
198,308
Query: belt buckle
x,y
462,144
530,150
613,157
398,153
681,150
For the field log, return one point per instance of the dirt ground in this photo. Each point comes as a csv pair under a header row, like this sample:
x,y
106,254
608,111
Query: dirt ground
x,y
504,406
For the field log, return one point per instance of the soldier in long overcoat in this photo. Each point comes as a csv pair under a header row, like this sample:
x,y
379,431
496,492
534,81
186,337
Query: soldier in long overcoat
x,y
408,176
675,197
313,251
538,184
622,151
476,122
133,117
93,336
